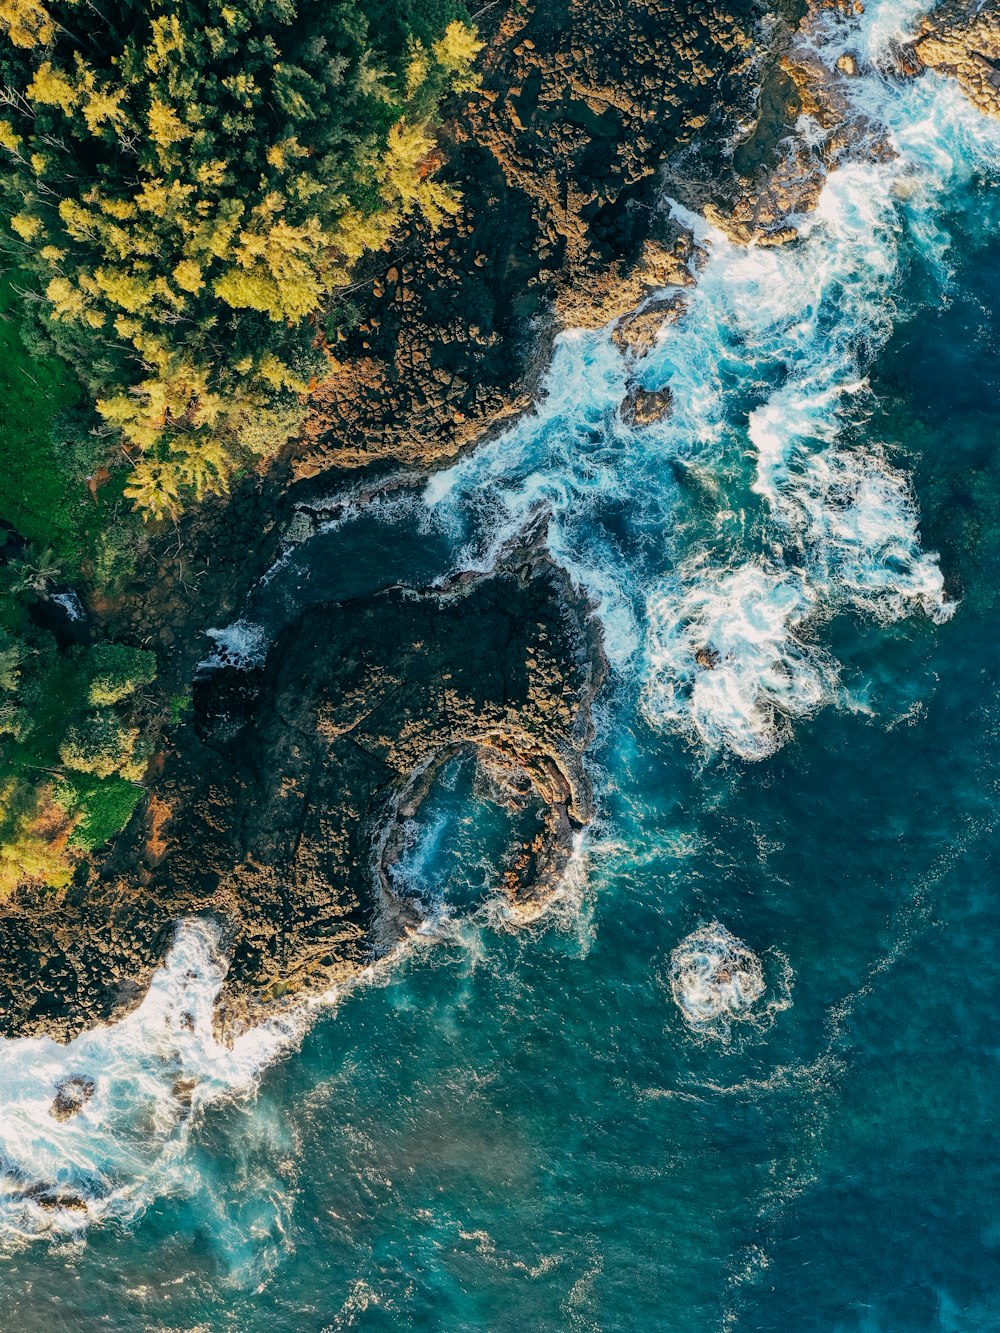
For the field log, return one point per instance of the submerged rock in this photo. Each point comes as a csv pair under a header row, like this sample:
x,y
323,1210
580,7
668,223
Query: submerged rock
x,y
715,979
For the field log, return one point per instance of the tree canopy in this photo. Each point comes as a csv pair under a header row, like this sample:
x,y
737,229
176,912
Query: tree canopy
x,y
188,184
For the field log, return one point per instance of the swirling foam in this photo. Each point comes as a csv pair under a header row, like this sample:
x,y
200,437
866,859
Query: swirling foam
x,y
152,1074
858,523
715,979
725,663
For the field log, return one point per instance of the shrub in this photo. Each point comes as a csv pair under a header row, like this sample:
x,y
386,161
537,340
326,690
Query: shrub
x,y
103,807
99,743
118,671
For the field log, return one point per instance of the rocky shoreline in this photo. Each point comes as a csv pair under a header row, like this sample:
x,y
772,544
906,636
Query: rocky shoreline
x,y
440,342
280,810
279,807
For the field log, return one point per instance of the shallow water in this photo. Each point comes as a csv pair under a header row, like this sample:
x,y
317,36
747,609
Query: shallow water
x,y
526,1130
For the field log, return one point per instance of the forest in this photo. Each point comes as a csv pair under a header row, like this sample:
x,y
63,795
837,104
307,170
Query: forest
x,y
186,188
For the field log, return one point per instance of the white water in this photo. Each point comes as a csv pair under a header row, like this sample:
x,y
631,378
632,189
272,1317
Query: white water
x,y
755,674
715,978
242,644
839,526
153,1073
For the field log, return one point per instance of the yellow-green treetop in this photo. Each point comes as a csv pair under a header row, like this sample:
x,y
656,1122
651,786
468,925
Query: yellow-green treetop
x,y
190,182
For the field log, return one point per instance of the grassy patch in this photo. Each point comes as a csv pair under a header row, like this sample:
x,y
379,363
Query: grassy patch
x,y
37,493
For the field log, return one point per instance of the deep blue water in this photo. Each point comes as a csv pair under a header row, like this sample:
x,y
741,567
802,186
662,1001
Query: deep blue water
x,y
519,1130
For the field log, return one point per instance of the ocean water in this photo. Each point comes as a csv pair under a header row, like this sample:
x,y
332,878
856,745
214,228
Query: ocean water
x,y
745,1074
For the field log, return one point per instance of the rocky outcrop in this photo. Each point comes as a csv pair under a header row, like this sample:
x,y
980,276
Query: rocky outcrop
x,y
279,811
643,407
636,333
962,39
778,188
557,157
72,1095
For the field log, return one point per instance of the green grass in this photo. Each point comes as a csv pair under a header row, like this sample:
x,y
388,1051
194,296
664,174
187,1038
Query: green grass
x,y
180,706
37,493
105,805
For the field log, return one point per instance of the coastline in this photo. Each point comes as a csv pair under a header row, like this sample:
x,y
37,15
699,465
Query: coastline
x,y
207,565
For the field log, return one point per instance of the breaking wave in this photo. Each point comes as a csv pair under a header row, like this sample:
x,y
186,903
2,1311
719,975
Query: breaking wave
x,y
95,1130
717,980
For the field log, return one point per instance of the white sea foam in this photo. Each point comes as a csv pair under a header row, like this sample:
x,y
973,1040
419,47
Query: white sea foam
x,y
857,519
150,1077
725,661
70,603
243,644
715,979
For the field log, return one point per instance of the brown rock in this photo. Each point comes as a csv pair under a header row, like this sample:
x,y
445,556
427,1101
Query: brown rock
x,y
961,38
72,1095
643,407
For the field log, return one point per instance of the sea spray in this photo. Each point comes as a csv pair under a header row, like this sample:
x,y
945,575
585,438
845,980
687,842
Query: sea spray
x,y
94,1130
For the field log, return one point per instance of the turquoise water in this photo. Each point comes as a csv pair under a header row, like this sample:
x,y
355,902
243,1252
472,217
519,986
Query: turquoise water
x,y
553,1128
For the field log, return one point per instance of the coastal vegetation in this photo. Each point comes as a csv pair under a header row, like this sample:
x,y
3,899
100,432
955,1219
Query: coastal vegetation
x,y
184,190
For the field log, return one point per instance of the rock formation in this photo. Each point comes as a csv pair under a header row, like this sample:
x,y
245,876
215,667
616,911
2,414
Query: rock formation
x,y
278,812
962,39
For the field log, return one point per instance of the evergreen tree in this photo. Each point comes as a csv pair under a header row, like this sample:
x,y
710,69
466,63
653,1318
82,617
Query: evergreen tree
x,y
190,182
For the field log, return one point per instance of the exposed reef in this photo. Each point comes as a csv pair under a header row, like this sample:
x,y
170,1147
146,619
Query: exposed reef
x,y
278,811
558,158
962,39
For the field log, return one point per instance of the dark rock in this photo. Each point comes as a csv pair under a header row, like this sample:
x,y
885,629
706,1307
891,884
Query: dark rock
x,y
72,1095
278,812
